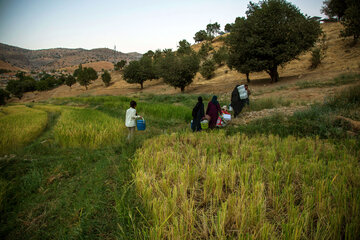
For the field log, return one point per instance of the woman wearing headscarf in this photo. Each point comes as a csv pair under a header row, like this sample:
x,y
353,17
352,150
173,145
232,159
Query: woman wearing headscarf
x,y
236,102
213,110
198,115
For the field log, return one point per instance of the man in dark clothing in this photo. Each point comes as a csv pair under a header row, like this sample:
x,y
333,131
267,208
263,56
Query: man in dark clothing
x,y
198,115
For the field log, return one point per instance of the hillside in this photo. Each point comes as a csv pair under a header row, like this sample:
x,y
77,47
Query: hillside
x,y
50,59
340,58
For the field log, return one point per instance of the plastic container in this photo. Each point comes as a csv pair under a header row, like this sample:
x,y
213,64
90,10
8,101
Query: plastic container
x,y
242,92
140,124
204,124
227,117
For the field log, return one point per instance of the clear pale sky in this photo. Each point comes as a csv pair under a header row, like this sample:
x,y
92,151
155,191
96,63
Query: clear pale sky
x,y
133,26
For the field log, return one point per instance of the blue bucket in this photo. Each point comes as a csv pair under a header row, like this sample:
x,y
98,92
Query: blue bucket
x,y
141,126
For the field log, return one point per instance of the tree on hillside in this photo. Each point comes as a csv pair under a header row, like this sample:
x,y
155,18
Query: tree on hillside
x,y
204,50
70,80
140,71
200,36
106,77
207,69
149,54
178,70
119,65
351,20
77,71
84,76
239,56
15,87
4,95
221,56
227,28
212,30
184,47
334,8
274,33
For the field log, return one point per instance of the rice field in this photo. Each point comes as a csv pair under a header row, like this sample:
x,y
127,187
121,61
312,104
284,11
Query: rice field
x,y
77,176
213,186
88,128
19,125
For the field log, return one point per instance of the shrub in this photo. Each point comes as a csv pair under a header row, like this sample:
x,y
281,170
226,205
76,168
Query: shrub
x,y
106,77
207,69
4,95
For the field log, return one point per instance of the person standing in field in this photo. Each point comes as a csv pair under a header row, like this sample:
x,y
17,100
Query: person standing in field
x,y
239,97
213,110
198,115
130,119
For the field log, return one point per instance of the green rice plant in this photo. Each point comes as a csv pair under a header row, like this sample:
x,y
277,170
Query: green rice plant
x,y
88,128
19,125
213,186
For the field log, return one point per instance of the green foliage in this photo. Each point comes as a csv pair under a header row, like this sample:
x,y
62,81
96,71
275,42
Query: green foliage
x,y
70,80
119,65
221,56
4,70
207,69
184,48
351,20
212,29
228,28
178,70
15,88
274,33
334,8
85,75
140,71
318,52
204,50
200,36
47,82
106,77
4,95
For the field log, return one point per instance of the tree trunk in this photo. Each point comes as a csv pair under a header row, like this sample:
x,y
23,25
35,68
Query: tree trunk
x,y
247,77
182,89
142,85
273,72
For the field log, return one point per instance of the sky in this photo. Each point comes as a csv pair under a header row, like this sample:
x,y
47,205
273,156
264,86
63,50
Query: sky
x,y
131,26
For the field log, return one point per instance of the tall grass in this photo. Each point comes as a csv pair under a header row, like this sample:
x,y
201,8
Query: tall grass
x,y
318,120
88,128
19,125
212,186
338,81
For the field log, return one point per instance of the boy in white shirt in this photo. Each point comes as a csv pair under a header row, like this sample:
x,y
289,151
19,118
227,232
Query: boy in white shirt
x,y
130,119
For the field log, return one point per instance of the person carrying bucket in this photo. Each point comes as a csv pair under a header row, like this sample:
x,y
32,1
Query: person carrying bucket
x,y
130,120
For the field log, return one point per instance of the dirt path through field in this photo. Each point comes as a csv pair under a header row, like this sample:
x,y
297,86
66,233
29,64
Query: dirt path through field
x,y
246,117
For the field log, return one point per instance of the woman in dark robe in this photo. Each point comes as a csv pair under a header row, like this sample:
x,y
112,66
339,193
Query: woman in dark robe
x,y
236,103
213,110
198,114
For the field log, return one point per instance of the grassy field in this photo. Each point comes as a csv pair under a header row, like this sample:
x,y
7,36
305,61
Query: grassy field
x,y
71,174
19,125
